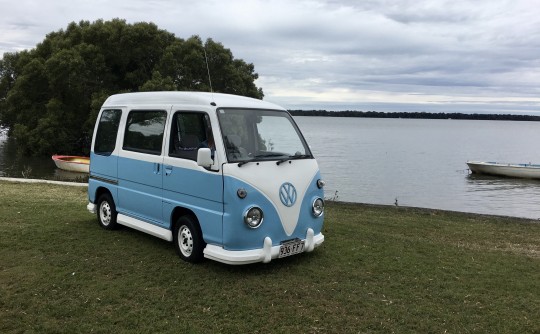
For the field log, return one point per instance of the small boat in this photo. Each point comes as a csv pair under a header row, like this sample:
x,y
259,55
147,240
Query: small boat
x,y
72,163
528,171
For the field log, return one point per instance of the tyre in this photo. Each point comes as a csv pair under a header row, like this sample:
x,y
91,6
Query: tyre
x,y
106,212
188,240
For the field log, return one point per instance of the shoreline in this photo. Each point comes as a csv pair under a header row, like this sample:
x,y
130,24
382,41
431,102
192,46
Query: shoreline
x,y
415,209
62,183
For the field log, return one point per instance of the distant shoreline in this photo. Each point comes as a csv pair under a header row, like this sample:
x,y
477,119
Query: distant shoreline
x,y
415,115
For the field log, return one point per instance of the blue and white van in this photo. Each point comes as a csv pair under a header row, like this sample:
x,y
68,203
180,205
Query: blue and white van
x,y
224,177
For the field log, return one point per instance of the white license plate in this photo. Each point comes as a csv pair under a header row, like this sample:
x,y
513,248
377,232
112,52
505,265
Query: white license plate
x,y
291,248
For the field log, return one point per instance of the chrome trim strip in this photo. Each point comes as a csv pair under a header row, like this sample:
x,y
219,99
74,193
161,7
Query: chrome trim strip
x,y
103,179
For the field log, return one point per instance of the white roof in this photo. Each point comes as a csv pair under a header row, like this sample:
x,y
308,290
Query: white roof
x,y
188,98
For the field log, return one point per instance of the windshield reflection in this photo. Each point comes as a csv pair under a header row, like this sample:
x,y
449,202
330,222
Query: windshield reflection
x,y
256,135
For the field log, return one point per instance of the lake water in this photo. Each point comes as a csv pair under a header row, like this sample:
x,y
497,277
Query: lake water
x,y
420,163
13,165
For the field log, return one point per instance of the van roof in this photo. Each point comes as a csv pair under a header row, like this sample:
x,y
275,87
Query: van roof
x,y
191,98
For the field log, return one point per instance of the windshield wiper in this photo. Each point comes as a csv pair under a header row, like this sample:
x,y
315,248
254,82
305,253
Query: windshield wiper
x,y
258,156
265,155
242,163
293,157
273,155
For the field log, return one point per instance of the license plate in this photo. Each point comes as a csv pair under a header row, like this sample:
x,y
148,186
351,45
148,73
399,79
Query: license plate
x,y
291,248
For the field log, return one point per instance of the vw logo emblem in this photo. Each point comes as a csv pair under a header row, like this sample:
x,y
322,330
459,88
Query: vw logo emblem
x,y
287,194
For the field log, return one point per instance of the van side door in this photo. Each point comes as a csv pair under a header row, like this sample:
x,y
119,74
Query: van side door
x,y
140,166
186,184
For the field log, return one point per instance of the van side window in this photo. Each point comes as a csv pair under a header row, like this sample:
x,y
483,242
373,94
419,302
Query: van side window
x,y
144,131
107,131
189,132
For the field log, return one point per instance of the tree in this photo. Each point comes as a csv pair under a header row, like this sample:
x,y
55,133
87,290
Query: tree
x,y
50,95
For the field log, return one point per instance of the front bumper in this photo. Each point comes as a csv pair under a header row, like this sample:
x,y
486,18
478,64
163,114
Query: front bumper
x,y
91,207
264,254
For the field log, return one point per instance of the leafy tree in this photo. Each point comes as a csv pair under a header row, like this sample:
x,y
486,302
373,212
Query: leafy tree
x,y
50,95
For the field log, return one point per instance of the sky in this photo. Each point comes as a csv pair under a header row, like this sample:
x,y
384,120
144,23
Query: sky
x,y
389,55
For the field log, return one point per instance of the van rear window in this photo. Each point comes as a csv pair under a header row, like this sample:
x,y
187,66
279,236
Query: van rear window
x,y
107,131
144,131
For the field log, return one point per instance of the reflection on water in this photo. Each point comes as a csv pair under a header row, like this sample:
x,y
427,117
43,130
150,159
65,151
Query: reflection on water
x,y
479,182
492,194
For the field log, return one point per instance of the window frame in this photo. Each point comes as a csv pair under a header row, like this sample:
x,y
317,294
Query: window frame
x,y
99,133
126,132
252,132
189,154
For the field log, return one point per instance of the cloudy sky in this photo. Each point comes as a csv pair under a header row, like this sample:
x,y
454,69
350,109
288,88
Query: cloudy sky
x,y
387,55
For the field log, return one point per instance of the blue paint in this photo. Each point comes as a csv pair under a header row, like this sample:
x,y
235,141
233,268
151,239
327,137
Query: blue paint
x,y
199,191
104,167
140,189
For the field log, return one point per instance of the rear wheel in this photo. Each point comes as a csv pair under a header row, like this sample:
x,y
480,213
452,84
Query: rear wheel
x,y
188,240
106,213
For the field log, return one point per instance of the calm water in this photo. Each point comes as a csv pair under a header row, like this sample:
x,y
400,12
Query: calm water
x,y
419,163
12,165
422,163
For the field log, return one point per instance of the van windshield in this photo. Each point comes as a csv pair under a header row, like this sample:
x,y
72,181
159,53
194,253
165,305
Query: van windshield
x,y
256,135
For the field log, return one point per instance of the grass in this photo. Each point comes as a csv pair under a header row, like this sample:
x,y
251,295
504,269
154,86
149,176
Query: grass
x,y
381,269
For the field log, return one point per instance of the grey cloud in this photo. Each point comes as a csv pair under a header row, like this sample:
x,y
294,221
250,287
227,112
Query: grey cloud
x,y
461,50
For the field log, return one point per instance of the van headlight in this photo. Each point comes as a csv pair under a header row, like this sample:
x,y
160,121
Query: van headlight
x,y
318,207
253,217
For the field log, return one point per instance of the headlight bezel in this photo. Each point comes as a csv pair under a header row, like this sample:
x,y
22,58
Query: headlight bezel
x,y
317,207
251,214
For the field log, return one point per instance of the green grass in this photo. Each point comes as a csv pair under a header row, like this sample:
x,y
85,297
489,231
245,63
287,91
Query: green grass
x,y
381,269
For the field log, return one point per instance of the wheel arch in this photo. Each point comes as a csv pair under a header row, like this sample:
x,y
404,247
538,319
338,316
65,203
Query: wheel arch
x,y
103,190
188,239
181,212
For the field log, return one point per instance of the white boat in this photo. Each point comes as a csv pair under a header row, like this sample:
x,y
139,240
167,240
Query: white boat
x,y
72,163
528,171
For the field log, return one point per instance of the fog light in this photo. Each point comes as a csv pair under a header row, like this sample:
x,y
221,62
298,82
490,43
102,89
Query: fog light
x,y
318,207
253,217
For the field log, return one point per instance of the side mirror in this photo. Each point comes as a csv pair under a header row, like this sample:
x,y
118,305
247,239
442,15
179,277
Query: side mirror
x,y
204,157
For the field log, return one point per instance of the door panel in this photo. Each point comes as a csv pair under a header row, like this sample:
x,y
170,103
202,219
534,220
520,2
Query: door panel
x,y
187,185
140,166
140,186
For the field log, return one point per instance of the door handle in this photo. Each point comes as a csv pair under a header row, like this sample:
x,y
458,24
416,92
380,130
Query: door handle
x,y
168,170
157,168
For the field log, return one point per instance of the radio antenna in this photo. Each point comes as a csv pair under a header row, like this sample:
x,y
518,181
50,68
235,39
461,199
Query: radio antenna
x,y
208,70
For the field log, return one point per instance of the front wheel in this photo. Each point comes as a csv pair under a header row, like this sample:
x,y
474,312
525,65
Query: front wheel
x,y
106,213
188,240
